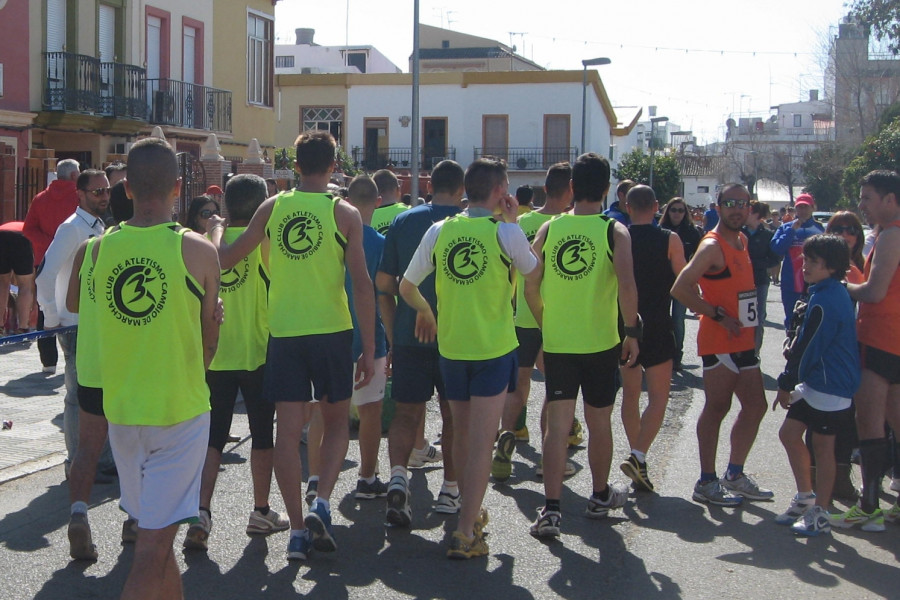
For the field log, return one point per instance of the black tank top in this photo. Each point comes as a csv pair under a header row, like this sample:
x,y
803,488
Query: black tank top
x,y
653,275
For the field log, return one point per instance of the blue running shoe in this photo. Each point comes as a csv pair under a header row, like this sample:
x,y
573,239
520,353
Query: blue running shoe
x,y
318,521
299,547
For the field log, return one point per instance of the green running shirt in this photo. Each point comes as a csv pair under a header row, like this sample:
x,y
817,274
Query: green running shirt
x,y
148,316
580,290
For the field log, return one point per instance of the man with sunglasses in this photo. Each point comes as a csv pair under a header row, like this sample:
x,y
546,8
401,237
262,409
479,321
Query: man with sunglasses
x,y
788,242
726,344
83,421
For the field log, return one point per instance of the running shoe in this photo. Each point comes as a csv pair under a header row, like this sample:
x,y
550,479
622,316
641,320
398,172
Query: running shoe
x,y
598,509
637,472
318,521
799,506
501,466
197,536
892,515
398,512
745,486
873,521
712,492
522,434
547,523
576,434
420,458
81,546
462,548
447,503
312,491
299,546
129,531
368,491
895,484
266,523
568,470
814,521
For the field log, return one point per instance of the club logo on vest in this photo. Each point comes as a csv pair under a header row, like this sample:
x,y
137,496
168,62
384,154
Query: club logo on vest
x,y
136,291
384,229
300,234
233,278
465,260
574,257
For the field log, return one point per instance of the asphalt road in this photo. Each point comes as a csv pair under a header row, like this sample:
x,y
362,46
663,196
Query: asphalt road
x,y
660,546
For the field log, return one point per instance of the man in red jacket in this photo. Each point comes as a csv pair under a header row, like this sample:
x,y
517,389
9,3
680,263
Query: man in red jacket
x,y
47,211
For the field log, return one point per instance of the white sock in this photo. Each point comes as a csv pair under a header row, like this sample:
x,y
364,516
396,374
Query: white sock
x,y
450,487
369,480
312,478
805,495
79,507
401,472
641,456
320,500
298,532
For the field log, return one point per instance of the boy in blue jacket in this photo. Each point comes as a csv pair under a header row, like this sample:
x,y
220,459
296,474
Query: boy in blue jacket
x,y
819,380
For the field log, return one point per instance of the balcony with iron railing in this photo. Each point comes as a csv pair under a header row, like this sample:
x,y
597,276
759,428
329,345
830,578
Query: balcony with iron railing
x,y
372,159
75,83
530,159
188,105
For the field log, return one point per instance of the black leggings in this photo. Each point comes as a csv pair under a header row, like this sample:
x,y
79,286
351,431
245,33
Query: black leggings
x,y
223,391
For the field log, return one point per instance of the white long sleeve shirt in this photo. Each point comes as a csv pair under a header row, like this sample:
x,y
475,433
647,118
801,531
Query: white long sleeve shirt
x,y
53,279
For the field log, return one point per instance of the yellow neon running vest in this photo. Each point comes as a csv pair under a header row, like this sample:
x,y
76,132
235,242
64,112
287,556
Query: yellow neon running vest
x,y
384,216
580,290
87,363
244,334
148,313
474,293
306,267
530,222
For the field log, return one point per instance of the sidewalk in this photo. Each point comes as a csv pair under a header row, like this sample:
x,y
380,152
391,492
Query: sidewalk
x,y
33,401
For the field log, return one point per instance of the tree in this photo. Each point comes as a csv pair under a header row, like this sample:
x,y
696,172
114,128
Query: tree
x,y
881,151
786,167
666,177
883,16
824,171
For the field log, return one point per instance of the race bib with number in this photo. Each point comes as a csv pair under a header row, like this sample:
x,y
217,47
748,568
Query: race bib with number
x,y
748,311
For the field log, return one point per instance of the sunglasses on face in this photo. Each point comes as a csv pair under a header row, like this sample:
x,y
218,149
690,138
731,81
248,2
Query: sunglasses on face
x,y
841,229
98,192
731,203
676,210
206,213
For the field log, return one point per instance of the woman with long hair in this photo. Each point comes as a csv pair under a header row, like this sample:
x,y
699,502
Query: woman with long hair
x,y
676,217
199,212
847,225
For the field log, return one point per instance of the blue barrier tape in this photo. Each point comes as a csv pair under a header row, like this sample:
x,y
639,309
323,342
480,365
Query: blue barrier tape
x,y
34,335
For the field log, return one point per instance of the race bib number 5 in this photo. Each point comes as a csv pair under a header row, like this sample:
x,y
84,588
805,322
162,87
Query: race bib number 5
x,y
748,311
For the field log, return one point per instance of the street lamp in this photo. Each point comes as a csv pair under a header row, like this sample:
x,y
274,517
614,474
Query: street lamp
x,y
589,62
653,122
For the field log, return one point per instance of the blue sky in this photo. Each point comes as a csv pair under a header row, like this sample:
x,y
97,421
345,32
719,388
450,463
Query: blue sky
x,y
699,61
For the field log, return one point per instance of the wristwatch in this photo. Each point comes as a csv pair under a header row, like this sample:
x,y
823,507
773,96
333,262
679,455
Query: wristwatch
x,y
636,332
720,314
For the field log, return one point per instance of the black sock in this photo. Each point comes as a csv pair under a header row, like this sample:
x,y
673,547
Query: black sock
x,y
602,496
872,458
551,505
263,510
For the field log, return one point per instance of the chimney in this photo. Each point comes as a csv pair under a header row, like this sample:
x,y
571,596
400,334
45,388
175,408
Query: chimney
x,y
813,95
305,36
651,110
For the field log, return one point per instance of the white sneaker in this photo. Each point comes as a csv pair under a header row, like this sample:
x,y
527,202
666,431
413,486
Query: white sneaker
x,y
419,458
797,509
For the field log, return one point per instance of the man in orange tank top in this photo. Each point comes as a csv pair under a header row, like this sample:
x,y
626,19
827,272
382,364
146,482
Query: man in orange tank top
x,y
878,329
726,343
